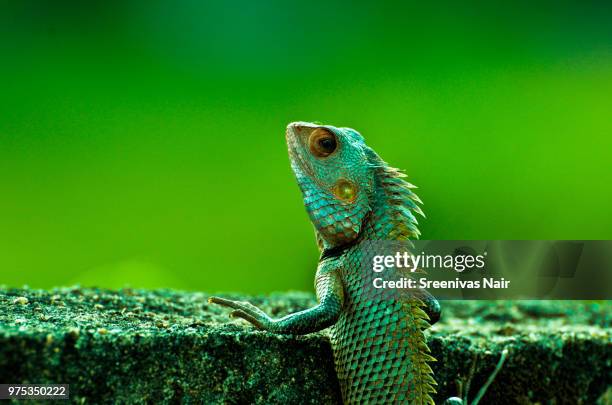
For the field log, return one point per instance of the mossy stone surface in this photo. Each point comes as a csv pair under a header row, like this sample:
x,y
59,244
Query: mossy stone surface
x,y
136,346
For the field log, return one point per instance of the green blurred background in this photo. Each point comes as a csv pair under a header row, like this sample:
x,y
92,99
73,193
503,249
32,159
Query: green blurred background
x,y
142,142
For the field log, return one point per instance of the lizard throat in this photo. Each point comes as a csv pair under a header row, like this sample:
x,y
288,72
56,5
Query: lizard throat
x,y
338,251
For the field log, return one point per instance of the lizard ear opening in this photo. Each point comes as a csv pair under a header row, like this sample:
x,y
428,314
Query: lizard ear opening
x,y
345,190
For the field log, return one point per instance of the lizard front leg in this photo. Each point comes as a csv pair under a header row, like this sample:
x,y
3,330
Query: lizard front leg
x,y
330,294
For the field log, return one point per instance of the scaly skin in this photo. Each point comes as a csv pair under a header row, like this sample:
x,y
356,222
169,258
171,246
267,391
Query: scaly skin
x,y
352,196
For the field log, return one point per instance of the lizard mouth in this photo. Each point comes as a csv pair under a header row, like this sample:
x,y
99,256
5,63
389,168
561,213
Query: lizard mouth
x,y
298,149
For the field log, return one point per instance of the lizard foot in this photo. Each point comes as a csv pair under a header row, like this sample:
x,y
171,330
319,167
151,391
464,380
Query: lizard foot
x,y
244,310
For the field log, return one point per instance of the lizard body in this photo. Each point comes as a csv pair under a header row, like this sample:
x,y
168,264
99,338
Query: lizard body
x,y
352,196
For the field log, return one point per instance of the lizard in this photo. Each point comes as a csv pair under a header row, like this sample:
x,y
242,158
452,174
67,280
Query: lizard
x,y
352,196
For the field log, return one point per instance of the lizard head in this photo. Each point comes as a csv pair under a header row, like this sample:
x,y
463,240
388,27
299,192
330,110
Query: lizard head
x,y
333,171
345,183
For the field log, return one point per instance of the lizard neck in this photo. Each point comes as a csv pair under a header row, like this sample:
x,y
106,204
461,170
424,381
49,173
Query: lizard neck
x,y
391,216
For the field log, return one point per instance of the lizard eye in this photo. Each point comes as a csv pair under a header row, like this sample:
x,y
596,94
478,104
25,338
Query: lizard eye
x,y
322,143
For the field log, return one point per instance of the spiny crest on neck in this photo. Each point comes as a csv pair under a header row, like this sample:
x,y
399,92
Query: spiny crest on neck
x,y
394,202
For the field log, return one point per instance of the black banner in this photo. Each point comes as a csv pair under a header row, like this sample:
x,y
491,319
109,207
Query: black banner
x,y
494,269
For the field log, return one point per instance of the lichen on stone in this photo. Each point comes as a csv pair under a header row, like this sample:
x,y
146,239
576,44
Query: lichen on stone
x,y
142,346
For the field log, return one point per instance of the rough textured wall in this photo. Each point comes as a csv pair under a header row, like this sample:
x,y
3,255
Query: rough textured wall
x,y
151,346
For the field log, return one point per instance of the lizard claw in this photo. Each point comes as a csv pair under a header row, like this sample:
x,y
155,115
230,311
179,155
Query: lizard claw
x,y
222,301
247,317
244,310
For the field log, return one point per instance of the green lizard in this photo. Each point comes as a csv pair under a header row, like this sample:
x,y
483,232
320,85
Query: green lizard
x,y
353,197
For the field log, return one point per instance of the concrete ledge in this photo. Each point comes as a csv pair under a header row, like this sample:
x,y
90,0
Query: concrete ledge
x,y
159,346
